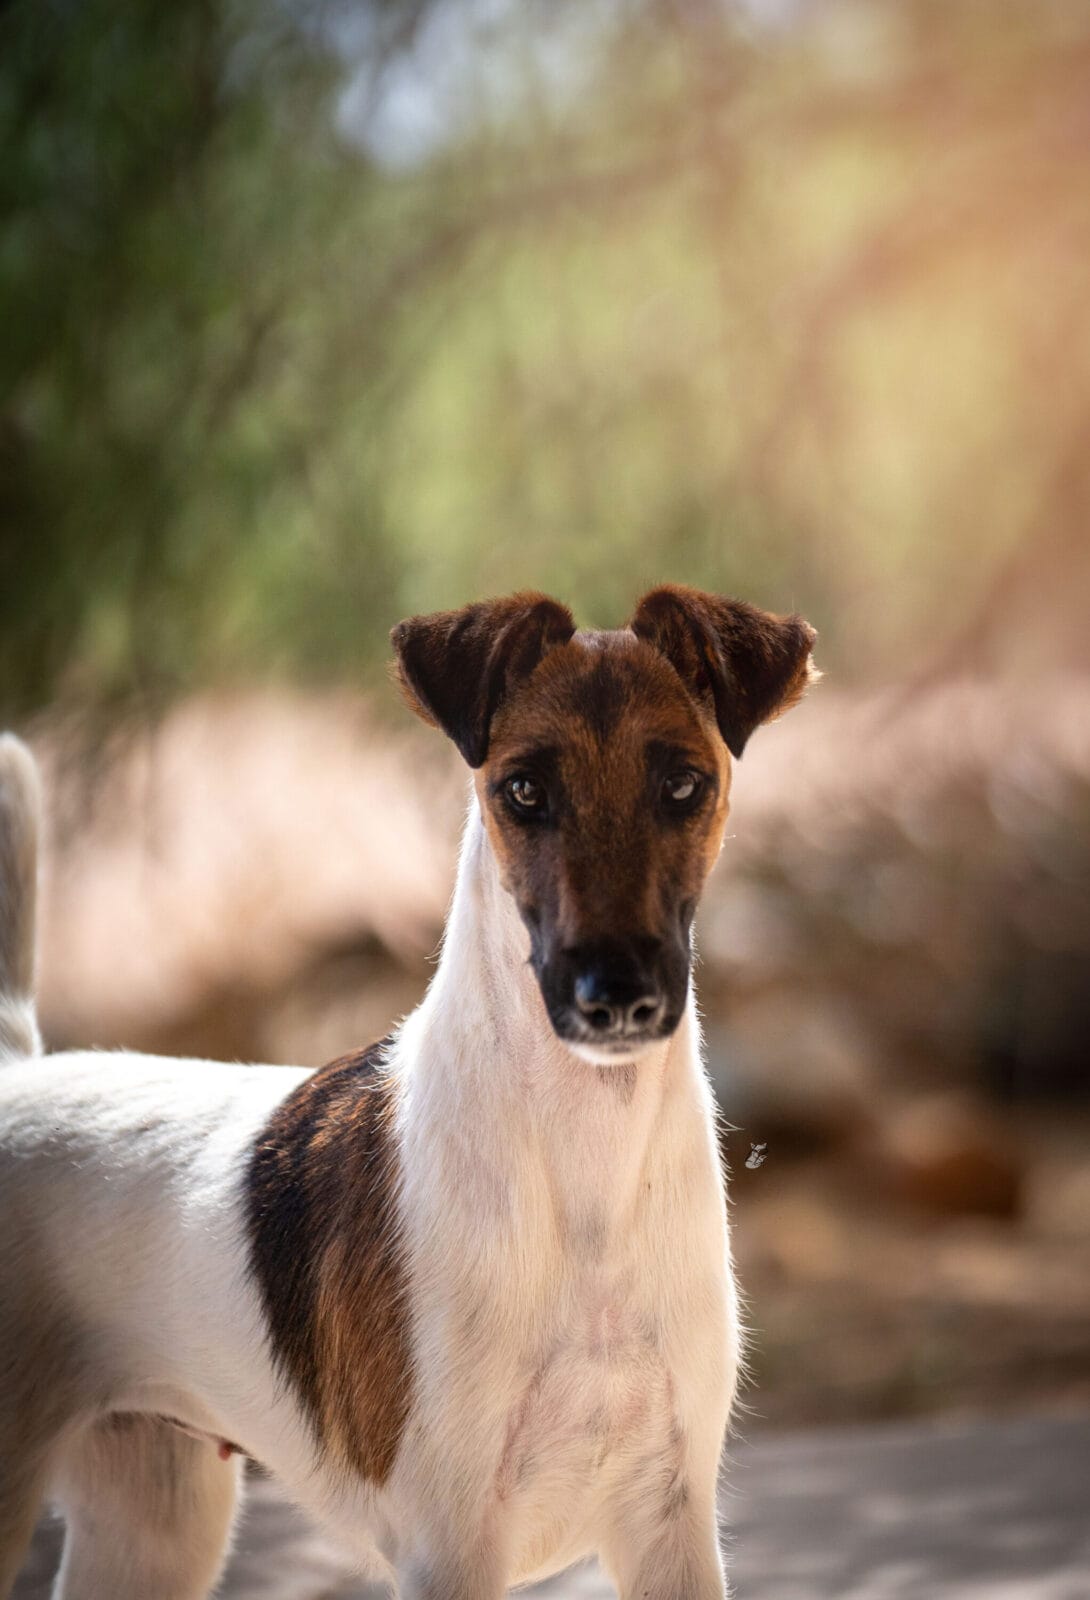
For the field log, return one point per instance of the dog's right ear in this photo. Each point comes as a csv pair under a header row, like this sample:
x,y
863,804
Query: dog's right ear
x,y
456,666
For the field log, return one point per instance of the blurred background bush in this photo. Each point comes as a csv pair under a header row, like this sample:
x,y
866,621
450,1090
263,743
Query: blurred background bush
x,y
317,314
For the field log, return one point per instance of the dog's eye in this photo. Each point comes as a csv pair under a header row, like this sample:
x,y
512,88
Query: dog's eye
x,y
525,793
681,789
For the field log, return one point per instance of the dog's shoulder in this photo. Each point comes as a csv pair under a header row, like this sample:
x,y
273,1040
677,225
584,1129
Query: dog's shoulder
x,y
325,1250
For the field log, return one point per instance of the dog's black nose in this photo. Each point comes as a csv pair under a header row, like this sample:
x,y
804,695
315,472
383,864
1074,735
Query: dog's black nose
x,y
616,1005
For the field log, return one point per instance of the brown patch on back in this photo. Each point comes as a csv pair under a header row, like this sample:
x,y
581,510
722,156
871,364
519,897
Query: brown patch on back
x,y
324,1248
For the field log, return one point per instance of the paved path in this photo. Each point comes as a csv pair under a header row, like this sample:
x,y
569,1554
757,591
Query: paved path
x,y
994,1511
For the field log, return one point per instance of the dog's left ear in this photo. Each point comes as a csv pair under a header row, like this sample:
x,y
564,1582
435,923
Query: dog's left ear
x,y
456,666
750,664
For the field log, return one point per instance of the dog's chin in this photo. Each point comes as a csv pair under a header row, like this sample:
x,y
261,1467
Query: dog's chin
x,y
615,1053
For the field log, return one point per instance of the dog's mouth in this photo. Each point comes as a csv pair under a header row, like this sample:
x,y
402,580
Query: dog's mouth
x,y
622,1053
617,1040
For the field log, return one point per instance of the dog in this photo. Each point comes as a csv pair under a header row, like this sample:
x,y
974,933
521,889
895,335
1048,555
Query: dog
x,y
467,1293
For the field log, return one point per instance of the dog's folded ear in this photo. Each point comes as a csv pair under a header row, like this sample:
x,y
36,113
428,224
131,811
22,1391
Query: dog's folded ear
x,y
748,664
456,666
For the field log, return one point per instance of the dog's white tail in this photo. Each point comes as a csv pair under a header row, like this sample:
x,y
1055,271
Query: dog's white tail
x,y
20,810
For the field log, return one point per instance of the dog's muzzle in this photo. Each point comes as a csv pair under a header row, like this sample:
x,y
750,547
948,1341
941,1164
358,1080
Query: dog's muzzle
x,y
614,997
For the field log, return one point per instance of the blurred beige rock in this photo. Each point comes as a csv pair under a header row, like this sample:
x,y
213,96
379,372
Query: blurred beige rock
x,y
948,1155
242,850
793,1068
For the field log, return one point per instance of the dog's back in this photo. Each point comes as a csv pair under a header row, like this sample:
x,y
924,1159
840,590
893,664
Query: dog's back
x,y
113,1244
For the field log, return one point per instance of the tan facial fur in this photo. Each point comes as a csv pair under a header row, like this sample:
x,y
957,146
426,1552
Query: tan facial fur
x,y
585,746
605,717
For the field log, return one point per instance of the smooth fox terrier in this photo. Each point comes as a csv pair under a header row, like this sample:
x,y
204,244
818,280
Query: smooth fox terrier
x,y
466,1293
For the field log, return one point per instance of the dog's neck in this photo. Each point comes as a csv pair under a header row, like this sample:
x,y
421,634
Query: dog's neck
x,y
481,1056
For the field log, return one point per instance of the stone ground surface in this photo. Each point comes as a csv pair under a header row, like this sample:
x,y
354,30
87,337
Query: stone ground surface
x,y
982,1511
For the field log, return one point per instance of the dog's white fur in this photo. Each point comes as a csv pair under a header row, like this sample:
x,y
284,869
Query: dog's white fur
x,y
573,1320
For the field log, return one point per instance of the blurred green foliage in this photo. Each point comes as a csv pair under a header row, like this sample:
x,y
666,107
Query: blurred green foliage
x,y
788,307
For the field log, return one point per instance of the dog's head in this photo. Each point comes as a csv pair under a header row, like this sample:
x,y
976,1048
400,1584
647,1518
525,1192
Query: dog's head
x,y
602,762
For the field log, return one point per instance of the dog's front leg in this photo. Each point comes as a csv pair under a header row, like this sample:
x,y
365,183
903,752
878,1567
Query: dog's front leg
x,y
667,1552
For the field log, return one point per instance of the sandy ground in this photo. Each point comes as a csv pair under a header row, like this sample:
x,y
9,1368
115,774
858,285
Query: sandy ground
x,y
987,1511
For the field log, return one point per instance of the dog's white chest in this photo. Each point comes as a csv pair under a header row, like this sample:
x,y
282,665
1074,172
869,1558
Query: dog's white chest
x,y
598,1400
